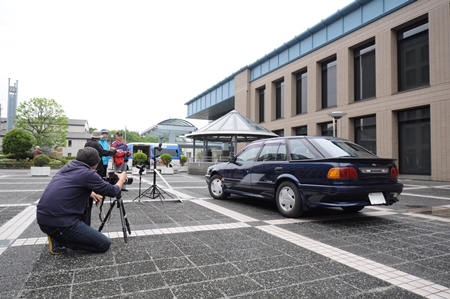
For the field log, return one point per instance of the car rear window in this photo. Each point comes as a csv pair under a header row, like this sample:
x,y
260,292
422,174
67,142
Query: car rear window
x,y
340,148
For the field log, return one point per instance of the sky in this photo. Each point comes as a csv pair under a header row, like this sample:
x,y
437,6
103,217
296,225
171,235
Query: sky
x,y
132,64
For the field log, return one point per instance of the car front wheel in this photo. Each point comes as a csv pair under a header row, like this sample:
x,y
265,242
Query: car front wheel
x,y
215,187
289,201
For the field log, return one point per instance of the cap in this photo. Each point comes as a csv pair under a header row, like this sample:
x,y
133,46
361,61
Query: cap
x,y
104,131
96,134
88,155
119,134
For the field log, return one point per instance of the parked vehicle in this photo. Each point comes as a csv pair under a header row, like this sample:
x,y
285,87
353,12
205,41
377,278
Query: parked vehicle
x,y
305,172
148,148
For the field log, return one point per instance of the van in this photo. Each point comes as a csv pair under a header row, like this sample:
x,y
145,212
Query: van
x,y
151,149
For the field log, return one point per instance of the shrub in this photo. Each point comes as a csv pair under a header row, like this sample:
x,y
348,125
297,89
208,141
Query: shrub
x,y
166,159
139,158
41,160
183,160
18,143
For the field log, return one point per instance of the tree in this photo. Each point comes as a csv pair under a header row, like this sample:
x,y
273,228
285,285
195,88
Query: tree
x,y
45,120
18,143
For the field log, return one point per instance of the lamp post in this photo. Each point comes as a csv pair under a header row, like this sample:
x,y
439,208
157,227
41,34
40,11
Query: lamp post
x,y
335,115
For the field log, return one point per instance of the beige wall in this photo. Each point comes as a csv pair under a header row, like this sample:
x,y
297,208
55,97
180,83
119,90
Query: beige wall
x,y
388,100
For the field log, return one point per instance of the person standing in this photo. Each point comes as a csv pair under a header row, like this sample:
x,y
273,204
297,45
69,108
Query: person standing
x,y
94,143
121,156
61,211
105,145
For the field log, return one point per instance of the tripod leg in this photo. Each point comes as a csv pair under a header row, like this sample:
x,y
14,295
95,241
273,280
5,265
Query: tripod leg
x,y
122,219
107,215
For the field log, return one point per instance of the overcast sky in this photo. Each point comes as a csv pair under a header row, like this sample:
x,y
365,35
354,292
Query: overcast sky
x,y
136,63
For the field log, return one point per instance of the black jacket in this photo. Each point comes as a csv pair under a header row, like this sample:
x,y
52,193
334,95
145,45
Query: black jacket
x,y
101,152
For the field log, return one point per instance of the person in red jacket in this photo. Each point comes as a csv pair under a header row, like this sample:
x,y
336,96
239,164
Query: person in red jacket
x,y
120,158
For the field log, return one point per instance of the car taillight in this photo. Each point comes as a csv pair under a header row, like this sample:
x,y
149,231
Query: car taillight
x,y
394,172
342,173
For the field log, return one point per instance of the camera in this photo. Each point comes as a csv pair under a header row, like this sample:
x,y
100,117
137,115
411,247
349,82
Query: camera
x,y
112,178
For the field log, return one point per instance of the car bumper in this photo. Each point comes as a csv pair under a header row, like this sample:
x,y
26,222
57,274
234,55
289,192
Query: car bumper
x,y
345,196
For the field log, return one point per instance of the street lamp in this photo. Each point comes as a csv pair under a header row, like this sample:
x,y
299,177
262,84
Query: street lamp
x,y
335,115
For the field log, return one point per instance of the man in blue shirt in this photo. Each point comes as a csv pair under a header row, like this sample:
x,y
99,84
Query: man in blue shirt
x,y
61,210
105,145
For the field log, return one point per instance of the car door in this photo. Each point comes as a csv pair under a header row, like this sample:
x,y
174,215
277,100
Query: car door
x,y
268,166
238,174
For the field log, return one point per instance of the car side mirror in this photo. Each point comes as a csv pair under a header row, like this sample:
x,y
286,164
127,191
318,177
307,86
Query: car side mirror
x,y
231,159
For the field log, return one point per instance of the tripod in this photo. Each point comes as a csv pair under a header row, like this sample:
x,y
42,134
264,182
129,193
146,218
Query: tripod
x,y
154,191
123,216
141,170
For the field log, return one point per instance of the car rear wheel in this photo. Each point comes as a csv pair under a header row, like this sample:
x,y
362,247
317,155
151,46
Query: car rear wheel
x,y
289,201
353,209
215,187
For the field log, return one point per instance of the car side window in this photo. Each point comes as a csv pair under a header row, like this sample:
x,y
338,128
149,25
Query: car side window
x,y
273,152
299,151
249,154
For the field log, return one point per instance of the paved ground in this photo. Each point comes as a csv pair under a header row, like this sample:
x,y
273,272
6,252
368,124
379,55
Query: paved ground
x,y
236,248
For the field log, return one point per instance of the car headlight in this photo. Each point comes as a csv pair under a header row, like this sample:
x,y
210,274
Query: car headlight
x,y
208,171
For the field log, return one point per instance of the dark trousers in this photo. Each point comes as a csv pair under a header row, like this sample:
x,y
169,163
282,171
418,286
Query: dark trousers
x,y
79,236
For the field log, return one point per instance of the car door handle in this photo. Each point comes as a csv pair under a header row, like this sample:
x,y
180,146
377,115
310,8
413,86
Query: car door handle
x,y
278,168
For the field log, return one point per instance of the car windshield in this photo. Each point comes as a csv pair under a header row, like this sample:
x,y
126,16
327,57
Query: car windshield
x,y
341,148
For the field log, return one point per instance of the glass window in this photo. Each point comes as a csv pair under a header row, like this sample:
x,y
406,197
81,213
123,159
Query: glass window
x,y
365,72
327,129
329,84
279,100
249,154
262,94
273,152
301,93
340,148
279,132
415,141
300,151
299,131
413,56
366,132
69,143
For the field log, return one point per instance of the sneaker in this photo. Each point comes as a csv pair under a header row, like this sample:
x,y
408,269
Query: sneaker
x,y
55,249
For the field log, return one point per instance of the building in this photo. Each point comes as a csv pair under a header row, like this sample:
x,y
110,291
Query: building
x,y
77,135
384,63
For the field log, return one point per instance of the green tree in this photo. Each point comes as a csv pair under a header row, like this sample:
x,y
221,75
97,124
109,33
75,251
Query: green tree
x,y
133,136
45,120
18,143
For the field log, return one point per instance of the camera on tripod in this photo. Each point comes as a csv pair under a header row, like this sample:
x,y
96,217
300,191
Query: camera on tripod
x,y
112,178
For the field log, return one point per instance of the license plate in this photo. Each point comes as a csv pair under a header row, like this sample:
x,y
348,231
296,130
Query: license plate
x,y
377,198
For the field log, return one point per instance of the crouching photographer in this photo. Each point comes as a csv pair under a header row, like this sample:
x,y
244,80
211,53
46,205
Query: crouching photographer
x,y
61,209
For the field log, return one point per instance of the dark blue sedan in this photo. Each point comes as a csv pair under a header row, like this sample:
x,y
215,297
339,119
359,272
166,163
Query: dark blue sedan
x,y
304,172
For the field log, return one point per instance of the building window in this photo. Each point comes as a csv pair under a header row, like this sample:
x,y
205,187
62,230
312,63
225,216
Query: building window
x,y
69,155
365,72
329,84
301,93
69,143
327,129
279,100
413,56
279,133
301,131
366,132
415,141
262,95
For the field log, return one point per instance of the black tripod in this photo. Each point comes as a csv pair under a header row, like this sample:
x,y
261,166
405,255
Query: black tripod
x,y
154,191
123,216
141,171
